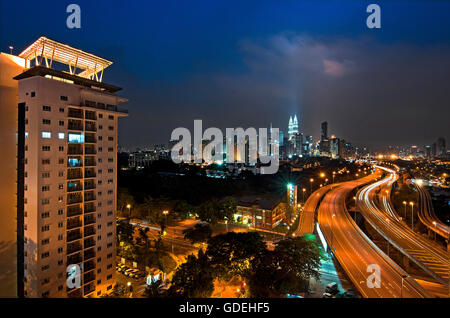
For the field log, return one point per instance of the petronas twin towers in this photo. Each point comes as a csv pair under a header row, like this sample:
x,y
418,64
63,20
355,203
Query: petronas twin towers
x,y
292,127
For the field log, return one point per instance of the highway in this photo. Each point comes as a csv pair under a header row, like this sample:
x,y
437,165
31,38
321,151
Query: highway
x,y
307,216
355,251
427,255
426,213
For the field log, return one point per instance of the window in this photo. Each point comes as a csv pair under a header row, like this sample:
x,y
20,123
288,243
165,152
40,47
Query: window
x,y
64,98
46,108
46,188
110,138
45,175
46,121
45,241
110,117
109,277
33,94
60,250
60,212
110,149
45,254
45,201
60,135
60,186
61,148
45,214
100,115
45,228
61,123
76,138
45,267
46,134
100,138
61,110
110,127
45,148
45,161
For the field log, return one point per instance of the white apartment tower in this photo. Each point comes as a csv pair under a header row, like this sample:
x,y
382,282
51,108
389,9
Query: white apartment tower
x,y
70,170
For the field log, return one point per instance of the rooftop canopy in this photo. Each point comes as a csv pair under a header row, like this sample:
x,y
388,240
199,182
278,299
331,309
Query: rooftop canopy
x,y
44,50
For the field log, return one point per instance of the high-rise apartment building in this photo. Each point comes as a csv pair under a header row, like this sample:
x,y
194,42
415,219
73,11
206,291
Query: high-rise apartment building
x,y
10,66
70,171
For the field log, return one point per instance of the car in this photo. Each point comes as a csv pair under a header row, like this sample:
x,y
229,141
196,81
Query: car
x,y
332,288
327,295
127,272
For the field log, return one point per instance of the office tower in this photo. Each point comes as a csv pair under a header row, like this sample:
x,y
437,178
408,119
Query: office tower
x,y
324,131
292,127
71,121
11,266
433,150
441,148
298,142
428,152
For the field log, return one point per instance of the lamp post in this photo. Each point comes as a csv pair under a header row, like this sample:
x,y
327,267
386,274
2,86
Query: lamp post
x,y
332,233
166,212
129,209
405,203
435,225
412,214
310,185
303,190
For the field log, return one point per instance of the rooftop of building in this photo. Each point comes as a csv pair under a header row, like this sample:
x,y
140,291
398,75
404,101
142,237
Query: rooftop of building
x,y
44,71
260,201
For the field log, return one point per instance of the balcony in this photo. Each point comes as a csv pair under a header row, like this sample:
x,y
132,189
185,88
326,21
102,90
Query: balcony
x,y
73,292
75,125
74,223
89,185
75,113
88,289
89,265
74,210
75,161
89,173
89,231
74,259
88,254
90,139
89,242
73,235
90,162
89,219
90,150
89,196
73,247
90,207
90,126
89,277
73,198
75,150
73,186
73,174
90,115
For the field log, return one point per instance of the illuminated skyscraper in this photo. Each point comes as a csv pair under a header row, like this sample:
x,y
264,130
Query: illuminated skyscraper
x,y
70,163
292,127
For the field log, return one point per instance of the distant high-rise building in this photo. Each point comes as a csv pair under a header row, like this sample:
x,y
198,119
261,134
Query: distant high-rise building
x,y
70,164
292,127
441,148
324,134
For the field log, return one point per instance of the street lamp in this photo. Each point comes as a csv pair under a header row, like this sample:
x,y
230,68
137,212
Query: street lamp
x,y
405,203
303,190
435,224
332,233
310,184
412,214
166,212
129,209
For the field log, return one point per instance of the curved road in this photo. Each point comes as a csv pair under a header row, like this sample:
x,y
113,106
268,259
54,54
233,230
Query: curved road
x,y
355,251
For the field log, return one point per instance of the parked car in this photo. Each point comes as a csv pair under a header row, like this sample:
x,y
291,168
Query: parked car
x,y
327,295
332,288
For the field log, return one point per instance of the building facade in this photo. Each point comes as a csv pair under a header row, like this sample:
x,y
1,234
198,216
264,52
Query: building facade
x,y
70,178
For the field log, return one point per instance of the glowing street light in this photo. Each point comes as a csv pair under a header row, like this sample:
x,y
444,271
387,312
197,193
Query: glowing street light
x,y
129,209
405,203
412,214
310,184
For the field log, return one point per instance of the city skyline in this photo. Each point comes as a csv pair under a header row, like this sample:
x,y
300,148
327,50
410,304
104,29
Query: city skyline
x,y
255,73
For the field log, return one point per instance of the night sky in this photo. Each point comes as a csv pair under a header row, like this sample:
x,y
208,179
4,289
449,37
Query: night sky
x,y
249,63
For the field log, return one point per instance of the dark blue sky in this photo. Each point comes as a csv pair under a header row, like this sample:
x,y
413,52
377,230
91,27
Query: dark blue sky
x,y
249,63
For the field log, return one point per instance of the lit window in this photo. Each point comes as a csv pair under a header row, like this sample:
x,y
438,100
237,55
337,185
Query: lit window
x,y
26,134
46,134
77,138
60,135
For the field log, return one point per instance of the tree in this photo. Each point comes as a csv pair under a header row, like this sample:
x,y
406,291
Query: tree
x,y
199,233
125,232
154,290
193,279
123,199
230,254
287,269
229,206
